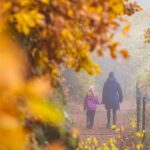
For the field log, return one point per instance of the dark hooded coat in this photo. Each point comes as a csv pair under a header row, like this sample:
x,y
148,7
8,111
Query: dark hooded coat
x,y
112,94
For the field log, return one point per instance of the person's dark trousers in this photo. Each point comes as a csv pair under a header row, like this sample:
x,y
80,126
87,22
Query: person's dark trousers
x,y
90,118
114,112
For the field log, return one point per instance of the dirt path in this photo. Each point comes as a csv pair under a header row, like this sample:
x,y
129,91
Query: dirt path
x,y
124,114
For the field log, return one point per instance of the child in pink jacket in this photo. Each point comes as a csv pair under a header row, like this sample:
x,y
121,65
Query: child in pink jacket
x,y
90,102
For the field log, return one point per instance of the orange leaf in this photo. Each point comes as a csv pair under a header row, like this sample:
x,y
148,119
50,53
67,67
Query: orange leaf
x,y
126,28
124,53
113,53
123,34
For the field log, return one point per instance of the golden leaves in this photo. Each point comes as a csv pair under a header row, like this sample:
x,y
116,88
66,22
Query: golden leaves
x,y
21,97
70,13
6,7
11,77
91,68
15,137
124,30
25,2
63,29
26,20
38,87
45,111
75,133
113,49
45,1
124,53
140,146
66,34
118,8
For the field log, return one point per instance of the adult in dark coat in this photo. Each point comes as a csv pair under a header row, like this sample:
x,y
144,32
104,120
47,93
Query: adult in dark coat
x,y
112,97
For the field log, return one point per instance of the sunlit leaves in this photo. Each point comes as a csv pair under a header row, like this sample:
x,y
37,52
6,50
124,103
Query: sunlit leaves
x,y
45,111
123,140
118,8
11,71
25,2
60,28
38,87
15,136
124,53
21,97
25,20
126,28
45,1
75,133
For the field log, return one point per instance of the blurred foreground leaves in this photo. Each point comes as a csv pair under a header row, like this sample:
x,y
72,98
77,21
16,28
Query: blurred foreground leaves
x,y
21,99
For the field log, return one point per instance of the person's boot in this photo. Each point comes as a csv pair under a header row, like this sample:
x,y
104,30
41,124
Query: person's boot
x,y
88,125
108,126
91,126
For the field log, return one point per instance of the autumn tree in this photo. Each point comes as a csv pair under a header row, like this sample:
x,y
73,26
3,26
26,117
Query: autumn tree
x,y
147,35
143,68
66,31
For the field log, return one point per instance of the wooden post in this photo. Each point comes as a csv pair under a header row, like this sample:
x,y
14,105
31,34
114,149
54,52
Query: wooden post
x,y
138,103
143,113
138,115
144,117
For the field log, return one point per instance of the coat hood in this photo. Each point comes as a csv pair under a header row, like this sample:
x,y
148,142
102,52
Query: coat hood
x,y
112,79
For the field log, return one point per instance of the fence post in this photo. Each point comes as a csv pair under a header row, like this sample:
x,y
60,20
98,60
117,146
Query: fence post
x,y
143,113
144,117
138,109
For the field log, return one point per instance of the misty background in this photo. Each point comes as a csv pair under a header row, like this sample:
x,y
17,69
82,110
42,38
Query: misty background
x,y
126,71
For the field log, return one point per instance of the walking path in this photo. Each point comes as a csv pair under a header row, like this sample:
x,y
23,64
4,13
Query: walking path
x,y
125,114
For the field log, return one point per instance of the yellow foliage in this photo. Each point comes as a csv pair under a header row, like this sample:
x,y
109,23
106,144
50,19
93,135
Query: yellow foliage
x,y
45,1
12,135
113,126
21,98
25,2
140,134
45,111
139,146
95,141
126,28
133,124
39,87
119,8
124,53
59,26
27,20
75,132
